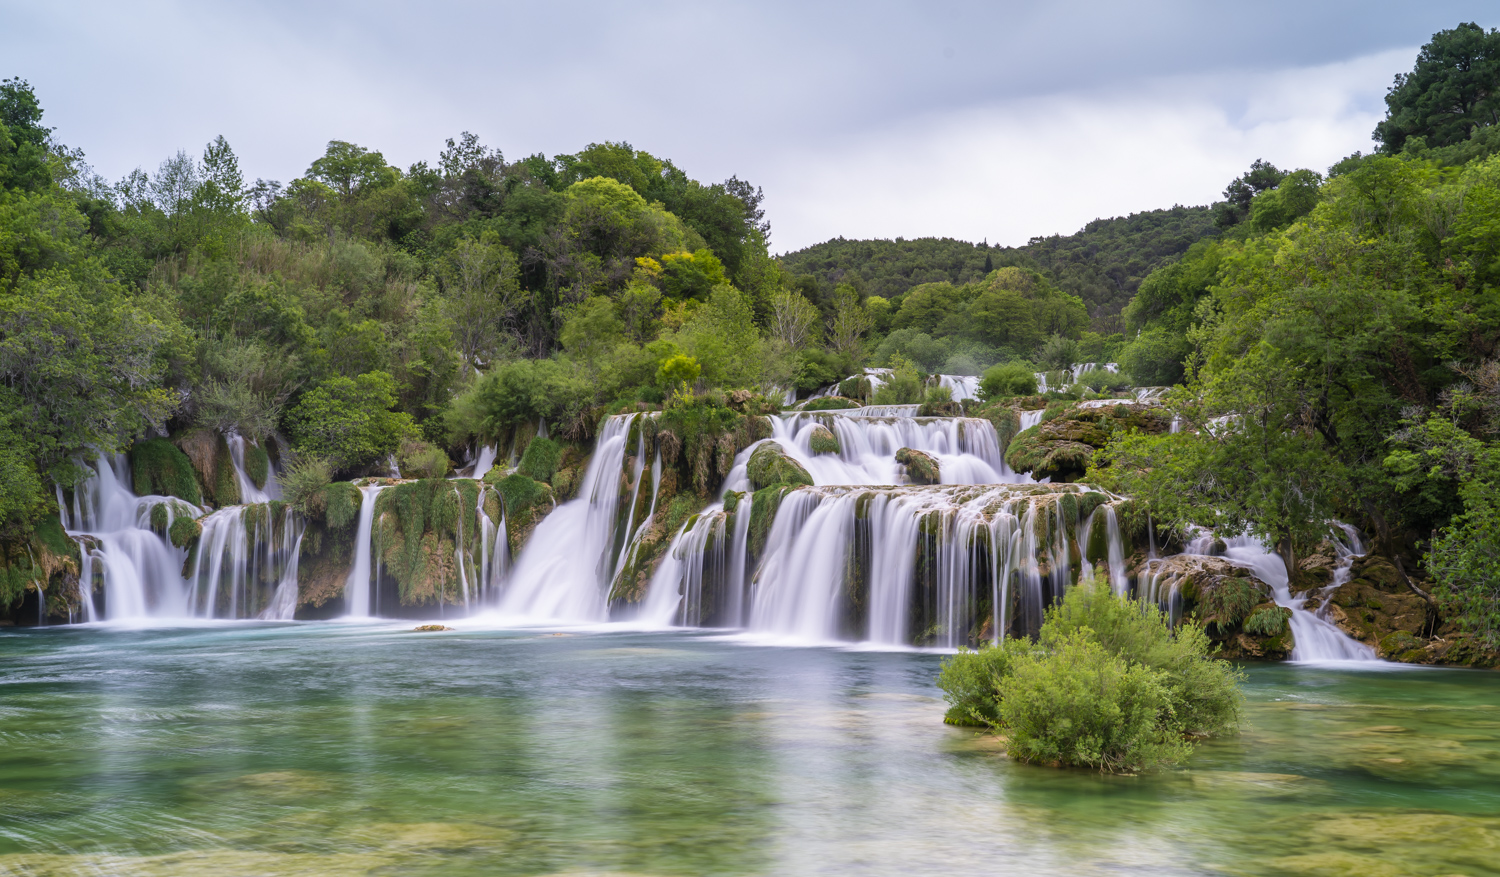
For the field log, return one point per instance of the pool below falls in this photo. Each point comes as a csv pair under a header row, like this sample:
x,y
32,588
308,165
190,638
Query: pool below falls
x,y
334,749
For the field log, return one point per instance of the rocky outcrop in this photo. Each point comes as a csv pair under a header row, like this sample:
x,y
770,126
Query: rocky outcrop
x,y
921,468
824,441
769,465
1062,446
1233,605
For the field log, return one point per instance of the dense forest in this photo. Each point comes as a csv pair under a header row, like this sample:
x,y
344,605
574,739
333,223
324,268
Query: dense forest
x,y
1331,334
1103,264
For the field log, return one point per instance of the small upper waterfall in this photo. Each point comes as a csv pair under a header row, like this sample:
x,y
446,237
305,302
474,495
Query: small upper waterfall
x,y
249,493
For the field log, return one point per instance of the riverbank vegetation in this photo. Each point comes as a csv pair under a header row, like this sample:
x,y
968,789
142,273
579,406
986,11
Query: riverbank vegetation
x,y
1108,685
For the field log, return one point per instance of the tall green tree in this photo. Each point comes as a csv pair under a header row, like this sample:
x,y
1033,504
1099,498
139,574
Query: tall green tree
x,y
1453,90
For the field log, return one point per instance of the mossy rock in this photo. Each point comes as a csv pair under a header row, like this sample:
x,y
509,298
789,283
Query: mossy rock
x,y
527,501
769,465
541,459
831,403
184,532
257,465
209,453
921,468
1402,646
857,387
1005,419
825,441
160,468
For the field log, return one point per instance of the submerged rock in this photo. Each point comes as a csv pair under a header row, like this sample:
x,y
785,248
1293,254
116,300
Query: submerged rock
x,y
428,628
921,468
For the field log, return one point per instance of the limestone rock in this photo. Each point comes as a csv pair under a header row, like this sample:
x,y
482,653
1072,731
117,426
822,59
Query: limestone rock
x,y
921,468
770,465
825,441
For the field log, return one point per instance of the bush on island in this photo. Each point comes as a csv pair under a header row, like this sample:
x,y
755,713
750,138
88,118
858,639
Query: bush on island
x,y
1107,685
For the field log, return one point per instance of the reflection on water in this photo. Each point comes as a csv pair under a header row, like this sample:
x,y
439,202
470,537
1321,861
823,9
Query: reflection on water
x,y
342,749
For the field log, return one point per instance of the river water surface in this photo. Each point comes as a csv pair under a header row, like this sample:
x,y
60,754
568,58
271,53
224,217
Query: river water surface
x,y
333,749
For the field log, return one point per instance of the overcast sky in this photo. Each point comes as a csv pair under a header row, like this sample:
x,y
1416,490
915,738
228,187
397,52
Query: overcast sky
x,y
996,121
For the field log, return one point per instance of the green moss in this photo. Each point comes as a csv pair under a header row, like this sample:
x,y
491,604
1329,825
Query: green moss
x,y
920,468
184,531
763,507
160,468
49,532
257,465
539,463
769,465
825,441
857,387
831,403
341,505
732,500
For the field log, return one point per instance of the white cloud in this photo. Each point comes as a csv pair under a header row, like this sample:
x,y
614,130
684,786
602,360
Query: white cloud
x,y
1048,165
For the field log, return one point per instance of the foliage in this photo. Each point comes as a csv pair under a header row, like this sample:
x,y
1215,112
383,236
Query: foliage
x,y
1109,684
1226,603
349,422
678,371
1465,561
903,386
540,460
1058,353
1004,381
1453,89
303,482
1102,380
418,459
1268,621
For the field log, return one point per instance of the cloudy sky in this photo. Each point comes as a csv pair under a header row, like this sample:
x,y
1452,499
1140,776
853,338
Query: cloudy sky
x,y
997,121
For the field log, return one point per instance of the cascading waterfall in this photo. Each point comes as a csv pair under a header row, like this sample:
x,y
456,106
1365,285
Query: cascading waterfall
x,y
244,557
937,565
1315,638
359,587
568,564
249,493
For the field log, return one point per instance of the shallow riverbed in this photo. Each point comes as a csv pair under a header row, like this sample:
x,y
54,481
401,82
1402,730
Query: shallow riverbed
x,y
362,749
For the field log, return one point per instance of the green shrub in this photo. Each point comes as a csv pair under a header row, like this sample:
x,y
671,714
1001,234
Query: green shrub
x,y
1102,380
1268,621
304,480
903,386
1076,704
971,683
1006,380
1227,602
539,462
1058,353
1109,685
857,387
1155,357
830,403
349,421
422,460
937,401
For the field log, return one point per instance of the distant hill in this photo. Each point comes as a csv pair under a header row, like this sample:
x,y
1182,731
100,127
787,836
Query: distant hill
x,y
1102,264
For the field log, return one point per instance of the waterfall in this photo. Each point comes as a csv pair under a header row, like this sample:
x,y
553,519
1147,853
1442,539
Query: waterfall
x,y
967,448
934,565
249,493
1316,639
245,554
963,387
358,590
567,566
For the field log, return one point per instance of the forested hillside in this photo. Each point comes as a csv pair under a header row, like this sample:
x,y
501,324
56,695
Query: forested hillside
x,y
1103,264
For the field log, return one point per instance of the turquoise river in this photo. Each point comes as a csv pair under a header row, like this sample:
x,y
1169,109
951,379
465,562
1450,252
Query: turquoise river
x,y
340,749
